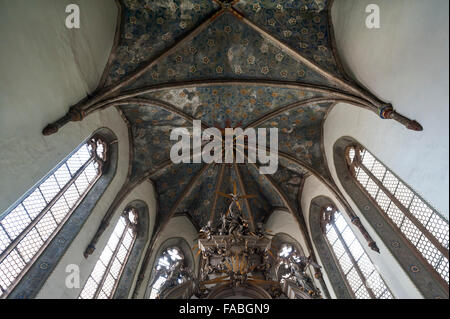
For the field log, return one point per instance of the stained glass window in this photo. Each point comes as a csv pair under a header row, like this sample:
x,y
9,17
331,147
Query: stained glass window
x,y
105,276
27,229
356,266
419,223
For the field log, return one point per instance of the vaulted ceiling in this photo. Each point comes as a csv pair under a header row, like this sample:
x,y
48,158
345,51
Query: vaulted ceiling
x,y
244,63
207,43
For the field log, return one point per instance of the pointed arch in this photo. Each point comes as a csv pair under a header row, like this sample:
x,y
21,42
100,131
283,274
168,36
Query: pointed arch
x,y
393,212
114,260
334,274
334,235
129,274
177,243
58,206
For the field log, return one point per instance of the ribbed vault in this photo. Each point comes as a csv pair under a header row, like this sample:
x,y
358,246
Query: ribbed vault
x,y
229,64
247,64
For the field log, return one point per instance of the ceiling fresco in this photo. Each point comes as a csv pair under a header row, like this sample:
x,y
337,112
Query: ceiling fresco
x,y
242,63
149,27
224,47
237,105
301,24
228,48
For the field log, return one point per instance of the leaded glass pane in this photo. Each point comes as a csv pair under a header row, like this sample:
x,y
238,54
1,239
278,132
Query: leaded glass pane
x,y
345,263
353,260
34,203
172,255
27,228
16,221
362,293
111,261
399,213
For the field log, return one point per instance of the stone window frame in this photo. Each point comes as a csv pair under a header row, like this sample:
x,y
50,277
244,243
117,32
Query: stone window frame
x,y
44,263
429,283
338,283
182,245
408,213
328,219
131,220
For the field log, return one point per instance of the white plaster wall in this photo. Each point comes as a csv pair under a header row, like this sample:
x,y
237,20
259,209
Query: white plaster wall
x,y
178,226
45,68
281,221
55,287
405,62
394,276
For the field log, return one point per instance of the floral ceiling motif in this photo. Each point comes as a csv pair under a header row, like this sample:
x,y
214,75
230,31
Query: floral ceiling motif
x,y
228,48
241,63
149,27
224,48
301,24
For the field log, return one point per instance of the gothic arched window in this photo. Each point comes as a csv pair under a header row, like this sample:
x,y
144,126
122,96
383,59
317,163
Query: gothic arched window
x,y
358,270
293,272
28,228
407,212
286,251
105,276
167,262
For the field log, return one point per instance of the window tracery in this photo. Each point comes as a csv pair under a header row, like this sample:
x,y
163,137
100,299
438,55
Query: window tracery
x,y
105,276
359,272
409,214
170,271
292,267
27,229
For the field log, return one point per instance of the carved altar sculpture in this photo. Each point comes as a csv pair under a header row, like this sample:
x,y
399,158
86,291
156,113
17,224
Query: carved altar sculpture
x,y
235,258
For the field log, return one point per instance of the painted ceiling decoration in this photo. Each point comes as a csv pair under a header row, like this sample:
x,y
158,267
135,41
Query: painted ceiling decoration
x,y
266,63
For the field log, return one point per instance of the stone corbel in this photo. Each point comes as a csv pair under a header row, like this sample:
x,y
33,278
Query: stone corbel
x,y
75,114
91,247
372,244
388,112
